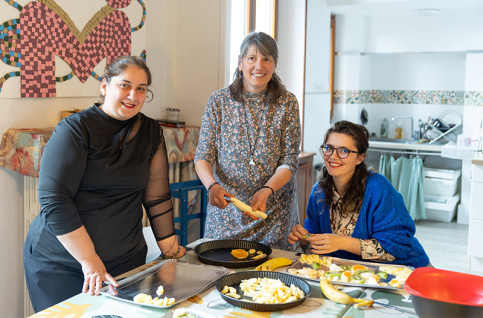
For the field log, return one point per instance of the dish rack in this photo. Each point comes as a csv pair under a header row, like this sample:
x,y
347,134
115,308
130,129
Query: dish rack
x,y
443,134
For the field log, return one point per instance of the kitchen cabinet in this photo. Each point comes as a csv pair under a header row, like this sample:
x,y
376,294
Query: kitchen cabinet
x,y
305,182
475,235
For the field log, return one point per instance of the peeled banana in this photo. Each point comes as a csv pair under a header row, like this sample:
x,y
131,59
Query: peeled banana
x,y
274,263
246,208
340,297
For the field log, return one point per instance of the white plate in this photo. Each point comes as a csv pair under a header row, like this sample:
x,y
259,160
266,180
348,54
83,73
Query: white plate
x,y
450,118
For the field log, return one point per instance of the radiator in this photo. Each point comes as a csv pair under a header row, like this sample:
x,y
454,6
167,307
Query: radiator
x,y
177,172
31,208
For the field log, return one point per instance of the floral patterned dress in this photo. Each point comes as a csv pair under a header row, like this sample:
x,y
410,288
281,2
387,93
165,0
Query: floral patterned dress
x,y
370,249
245,143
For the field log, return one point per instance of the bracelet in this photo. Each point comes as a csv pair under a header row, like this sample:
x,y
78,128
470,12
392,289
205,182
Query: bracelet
x,y
173,255
213,184
267,187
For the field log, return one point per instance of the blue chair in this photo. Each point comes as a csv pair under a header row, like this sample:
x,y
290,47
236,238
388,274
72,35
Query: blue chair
x,y
180,190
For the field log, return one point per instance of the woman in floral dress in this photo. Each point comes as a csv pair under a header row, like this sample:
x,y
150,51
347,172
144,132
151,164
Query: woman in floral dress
x,y
248,149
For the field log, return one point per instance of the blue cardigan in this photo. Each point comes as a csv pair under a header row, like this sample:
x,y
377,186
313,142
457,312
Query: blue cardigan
x,y
383,216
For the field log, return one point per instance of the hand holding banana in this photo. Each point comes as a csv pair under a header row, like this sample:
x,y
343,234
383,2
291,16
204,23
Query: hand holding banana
x,y
246,208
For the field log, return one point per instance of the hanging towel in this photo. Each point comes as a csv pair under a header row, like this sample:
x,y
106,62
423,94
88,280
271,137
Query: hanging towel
x,y
385,166
407,176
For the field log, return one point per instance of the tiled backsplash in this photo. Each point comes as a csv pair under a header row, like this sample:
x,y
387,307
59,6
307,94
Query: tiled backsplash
x,y
470,98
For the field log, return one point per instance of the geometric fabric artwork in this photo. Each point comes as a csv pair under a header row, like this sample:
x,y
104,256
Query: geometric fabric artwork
x,y
44,31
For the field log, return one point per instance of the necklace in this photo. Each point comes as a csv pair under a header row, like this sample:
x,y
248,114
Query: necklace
x,y
247,130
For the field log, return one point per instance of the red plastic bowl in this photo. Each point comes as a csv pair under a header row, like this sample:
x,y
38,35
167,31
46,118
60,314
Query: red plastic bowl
x,y
442,293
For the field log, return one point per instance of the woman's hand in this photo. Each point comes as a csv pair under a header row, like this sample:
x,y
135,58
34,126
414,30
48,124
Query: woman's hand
x,y
182,252
259,202
327,243
217,196
94,274
298,234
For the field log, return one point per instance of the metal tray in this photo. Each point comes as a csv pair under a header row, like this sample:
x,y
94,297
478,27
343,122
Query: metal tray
x,y
219,253
234,280
180,280
374,267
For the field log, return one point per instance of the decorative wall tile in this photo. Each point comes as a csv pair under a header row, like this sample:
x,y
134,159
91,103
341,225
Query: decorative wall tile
x,y
408,97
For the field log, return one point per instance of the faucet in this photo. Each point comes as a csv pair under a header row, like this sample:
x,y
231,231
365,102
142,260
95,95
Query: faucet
x,y
412,123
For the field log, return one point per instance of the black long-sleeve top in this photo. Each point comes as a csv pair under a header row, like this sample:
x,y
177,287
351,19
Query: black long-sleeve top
x,y
91,174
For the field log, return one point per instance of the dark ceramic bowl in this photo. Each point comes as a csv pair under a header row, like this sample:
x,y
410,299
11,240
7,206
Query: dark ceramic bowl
x,y
234,280
441,293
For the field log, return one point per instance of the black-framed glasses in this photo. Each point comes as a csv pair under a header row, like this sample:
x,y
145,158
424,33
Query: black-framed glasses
x,y
341,151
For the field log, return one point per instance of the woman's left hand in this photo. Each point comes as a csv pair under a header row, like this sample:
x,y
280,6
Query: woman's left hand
x,y
182,252
259,202
94,274
326,243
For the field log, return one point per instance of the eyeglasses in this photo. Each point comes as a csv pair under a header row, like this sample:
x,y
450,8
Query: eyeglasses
x,y
341,152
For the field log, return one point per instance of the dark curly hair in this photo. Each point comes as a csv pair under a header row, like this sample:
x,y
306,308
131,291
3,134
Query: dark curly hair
x,y
118,65
267,46
352,198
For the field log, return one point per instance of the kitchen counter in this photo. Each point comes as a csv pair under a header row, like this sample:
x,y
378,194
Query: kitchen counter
x,y
477,158
403,144
210,303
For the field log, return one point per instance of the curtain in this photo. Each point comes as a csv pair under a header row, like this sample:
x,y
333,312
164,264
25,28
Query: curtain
x,y
407,176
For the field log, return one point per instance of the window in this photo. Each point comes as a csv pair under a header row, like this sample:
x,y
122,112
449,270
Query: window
x,y
247,16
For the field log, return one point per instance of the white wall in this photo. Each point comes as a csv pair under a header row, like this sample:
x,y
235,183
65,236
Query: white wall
x,y
291,43
317,71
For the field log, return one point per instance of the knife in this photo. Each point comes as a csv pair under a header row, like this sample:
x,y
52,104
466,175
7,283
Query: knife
x,y
396,308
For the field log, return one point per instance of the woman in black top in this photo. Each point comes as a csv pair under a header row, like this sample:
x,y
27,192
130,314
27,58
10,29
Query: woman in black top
x,y
98,170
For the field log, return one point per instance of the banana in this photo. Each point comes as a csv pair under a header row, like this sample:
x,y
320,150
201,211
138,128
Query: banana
x,y
274,263
340,297
246,208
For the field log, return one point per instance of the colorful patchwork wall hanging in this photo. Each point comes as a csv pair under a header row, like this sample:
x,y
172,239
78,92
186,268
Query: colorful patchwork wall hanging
x,y
44,41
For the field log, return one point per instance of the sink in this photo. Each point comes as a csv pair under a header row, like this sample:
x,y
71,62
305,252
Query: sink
x,y
399,141
407,141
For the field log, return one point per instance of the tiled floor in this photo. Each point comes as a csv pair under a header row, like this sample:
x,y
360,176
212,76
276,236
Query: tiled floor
x,y
446,244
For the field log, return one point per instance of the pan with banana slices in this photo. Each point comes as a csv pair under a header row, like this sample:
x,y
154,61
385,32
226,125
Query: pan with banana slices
x,y
350,273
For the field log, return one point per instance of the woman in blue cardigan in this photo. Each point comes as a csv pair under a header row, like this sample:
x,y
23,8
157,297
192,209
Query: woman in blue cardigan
x,y
353,212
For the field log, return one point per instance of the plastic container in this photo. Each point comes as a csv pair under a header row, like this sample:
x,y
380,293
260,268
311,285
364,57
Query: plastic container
x,y
441,293
172,113
448,174
384,128
399,131
439,186
440,208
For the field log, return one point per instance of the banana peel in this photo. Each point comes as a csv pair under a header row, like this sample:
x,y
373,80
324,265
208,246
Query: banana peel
x,y
340,297
246,208
273,263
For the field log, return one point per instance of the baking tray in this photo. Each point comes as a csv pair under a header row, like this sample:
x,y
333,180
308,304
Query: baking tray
x,y
180,280
218,253
234,280
374,267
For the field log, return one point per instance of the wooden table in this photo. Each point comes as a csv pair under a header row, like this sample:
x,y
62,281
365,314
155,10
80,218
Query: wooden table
x,y
210,302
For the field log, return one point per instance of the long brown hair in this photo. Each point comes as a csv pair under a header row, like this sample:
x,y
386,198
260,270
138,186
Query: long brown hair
x,y
266,45
354,193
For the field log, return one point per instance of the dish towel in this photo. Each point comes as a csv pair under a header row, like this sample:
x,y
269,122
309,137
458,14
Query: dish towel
x,y
407,176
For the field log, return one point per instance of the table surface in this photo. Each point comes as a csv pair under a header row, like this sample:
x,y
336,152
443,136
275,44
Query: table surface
x,y
210,304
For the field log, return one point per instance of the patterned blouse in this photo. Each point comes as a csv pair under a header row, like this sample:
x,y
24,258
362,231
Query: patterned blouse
x,y
245,143
370,249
